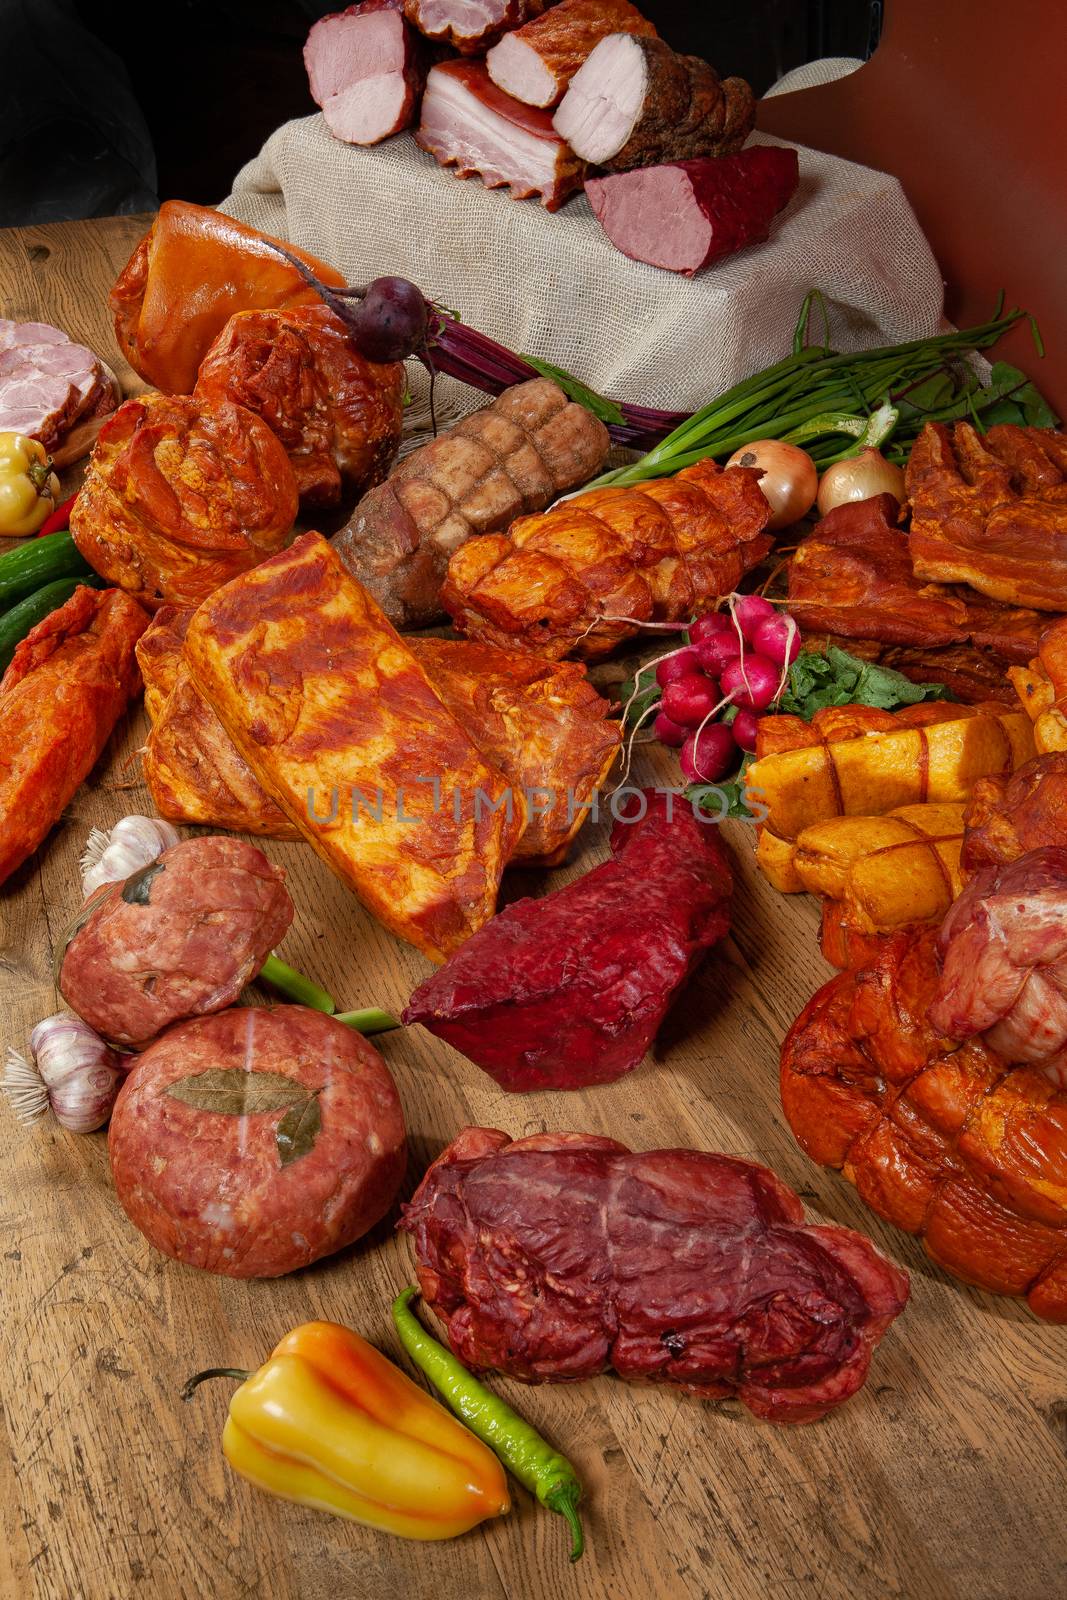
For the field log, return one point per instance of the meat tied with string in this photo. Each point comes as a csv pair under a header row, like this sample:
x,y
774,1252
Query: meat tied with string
x,y
590,573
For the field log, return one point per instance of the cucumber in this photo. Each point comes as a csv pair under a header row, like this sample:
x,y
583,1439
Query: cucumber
x,y
16,623
37,562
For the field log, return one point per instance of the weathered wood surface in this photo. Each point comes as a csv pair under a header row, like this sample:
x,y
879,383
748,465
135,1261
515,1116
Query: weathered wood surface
x,y
945,1478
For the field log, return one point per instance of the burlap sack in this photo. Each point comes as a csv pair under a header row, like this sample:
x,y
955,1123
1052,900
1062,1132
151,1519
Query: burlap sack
x,y
555,285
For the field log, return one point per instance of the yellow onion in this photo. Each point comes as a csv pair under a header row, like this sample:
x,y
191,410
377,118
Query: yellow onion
x,y
859,477
789,480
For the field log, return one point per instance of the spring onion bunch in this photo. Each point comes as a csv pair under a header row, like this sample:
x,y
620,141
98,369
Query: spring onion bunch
x,y
836,405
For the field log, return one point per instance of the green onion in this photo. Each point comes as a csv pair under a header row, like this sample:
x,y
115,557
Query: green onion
x,y
369,1021
836,404
295,986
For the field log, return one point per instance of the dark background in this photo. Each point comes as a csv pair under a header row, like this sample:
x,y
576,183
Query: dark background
x,y
108,105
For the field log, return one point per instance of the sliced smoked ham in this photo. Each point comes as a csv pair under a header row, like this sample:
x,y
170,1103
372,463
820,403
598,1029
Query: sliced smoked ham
x,y
366,68
687,214
52,389
471,26
538,61
468,123
636,103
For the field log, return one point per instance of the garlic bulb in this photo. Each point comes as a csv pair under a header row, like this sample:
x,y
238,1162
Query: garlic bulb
x,y
132,843
72,1070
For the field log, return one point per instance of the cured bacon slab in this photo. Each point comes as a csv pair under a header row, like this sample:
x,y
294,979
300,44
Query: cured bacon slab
x,y
991,511
470,26
365,70
565,1255
343,729
687,215
535,63
636,102
470,124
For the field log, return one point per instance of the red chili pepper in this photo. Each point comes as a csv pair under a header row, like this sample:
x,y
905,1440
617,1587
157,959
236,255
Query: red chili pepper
x,y
59,519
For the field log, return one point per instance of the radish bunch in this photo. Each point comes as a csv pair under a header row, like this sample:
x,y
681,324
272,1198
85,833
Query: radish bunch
x,y
736,659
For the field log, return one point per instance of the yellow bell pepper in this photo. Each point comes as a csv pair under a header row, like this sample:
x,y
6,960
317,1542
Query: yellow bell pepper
x,y
29,490
329,1422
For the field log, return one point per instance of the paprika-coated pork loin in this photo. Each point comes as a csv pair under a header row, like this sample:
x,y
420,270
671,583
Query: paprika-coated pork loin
x,y
562,1256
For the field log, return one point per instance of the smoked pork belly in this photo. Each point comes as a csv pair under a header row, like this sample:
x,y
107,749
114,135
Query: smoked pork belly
x,y
468,123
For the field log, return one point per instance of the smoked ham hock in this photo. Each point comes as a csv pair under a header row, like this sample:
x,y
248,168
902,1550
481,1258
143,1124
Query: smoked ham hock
x,y
561,1256
945,1140
192,270
570,989
509,458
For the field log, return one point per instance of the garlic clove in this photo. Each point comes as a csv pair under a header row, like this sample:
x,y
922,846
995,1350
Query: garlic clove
x,y
73,1070
131,843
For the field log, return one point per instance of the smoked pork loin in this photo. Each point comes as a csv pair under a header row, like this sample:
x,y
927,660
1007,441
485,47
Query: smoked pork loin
x,y
536,62
636,102
565,1255
509,458
470,124
366,67
52,390
470,26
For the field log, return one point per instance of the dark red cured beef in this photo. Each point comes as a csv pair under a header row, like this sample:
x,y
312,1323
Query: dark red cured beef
x,y
181,940
688,214
471,26
561,1256
570,990
210,1189
366,69
468,123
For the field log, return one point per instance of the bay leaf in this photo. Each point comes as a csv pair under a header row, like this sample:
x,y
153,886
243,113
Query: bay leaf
x,y
235,1093
138,886
298,1130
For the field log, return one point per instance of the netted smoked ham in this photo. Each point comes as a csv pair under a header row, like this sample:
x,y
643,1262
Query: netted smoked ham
x,y
192,270
688,214
339,416
584,576
513,456
991,511
563,1255
535,63
366,70
182,494
343,729
946,1141
636,103
69,681
470,26
877,874
470,124
859,761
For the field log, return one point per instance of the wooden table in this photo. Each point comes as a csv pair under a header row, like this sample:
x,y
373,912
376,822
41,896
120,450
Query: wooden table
x,y
945,1477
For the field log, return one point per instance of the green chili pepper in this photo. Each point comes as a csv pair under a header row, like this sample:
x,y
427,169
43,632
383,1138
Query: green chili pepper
x,y
520,1447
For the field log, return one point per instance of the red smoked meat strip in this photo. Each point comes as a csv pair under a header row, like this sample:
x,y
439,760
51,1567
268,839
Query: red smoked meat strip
x,y
569,990
471,26
687,214
563,1255
366,69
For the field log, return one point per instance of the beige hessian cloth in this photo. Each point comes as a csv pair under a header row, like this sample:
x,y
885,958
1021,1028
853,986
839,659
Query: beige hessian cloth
x,y
555,286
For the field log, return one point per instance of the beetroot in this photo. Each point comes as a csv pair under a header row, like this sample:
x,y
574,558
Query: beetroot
x,y
686,215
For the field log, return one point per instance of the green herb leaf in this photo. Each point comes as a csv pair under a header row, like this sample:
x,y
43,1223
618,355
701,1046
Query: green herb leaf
x,y
606,410
298,1130
138,886
818,679
641,702
232,1092
726,799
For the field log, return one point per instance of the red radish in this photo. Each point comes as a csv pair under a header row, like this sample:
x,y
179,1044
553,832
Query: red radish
x,y
778,638
743,728
750,610
676,666
710,754
710,625
716,653
690,699
751,683
669,732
